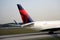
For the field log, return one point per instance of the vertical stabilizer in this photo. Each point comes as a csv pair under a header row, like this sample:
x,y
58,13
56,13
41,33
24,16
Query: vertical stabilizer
x,y
24,15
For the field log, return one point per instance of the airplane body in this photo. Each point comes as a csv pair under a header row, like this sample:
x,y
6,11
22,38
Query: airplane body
x,y
38,25
42,25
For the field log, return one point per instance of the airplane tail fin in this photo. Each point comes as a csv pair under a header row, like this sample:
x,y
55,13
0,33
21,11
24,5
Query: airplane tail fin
x,y
16,22
25,17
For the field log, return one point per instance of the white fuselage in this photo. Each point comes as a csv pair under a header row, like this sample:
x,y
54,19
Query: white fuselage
x,y
42,25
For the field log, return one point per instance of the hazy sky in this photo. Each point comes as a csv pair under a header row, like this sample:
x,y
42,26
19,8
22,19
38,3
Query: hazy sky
x,y
39,10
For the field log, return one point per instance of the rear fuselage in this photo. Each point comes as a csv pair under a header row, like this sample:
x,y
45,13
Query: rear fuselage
x,y
42,25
